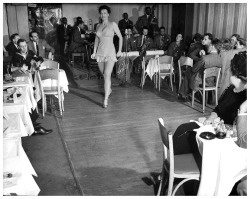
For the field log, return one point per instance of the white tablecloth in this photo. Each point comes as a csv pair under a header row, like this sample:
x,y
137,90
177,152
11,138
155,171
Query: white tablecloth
x,y
223,164
23,106
25,185
14,125
47,83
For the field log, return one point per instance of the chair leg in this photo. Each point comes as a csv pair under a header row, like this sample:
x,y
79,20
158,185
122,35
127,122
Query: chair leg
x,y
170,185
171,83
216,97
193,92
159,85
203,101
60,103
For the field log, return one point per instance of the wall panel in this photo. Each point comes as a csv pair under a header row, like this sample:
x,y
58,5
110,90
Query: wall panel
x,y
22,22
220,19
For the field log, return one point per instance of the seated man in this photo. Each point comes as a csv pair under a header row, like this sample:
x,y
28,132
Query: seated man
x,y
195,47
193,75
12,47
78,40
40,46
129,41
162,41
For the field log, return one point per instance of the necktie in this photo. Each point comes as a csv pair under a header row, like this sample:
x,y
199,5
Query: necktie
x,y
37,49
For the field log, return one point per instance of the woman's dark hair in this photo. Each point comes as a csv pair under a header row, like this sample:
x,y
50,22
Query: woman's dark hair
x,y
239,65
104,7
216,43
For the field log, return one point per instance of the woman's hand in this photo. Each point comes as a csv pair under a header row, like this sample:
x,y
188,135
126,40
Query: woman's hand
x,y
119,54
93,56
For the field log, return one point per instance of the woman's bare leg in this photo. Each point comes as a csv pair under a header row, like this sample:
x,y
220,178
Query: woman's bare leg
x,y
108,68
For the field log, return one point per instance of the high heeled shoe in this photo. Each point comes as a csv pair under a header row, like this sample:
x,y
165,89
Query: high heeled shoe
x,y
105,103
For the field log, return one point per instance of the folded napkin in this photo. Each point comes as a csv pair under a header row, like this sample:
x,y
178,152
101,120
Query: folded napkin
x,y
155,52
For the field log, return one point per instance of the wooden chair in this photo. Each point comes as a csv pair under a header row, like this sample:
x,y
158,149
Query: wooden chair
x,y
92,64
165,68
52,74
209,72
177,166
183,61
50,64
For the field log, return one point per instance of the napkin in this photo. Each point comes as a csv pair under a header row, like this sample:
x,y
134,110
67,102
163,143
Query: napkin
x,y
155,52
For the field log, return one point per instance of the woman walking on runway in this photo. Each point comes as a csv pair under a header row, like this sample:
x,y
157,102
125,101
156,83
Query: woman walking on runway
x,y
104,49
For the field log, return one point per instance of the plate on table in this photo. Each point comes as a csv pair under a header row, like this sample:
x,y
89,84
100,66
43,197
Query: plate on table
x,y
207,135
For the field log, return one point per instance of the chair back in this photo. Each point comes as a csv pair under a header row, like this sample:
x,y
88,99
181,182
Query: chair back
x,y
50,64
185,61
212,72
165,64
50,74
167,141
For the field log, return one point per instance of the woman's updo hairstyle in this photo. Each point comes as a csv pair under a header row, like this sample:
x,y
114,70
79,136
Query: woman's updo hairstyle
x,y
239,65
104,7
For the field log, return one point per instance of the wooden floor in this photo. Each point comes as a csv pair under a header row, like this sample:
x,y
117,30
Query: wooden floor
x,y
114,150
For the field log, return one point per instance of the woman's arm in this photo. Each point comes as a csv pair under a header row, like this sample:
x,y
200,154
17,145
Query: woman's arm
x,y
118,33
95,44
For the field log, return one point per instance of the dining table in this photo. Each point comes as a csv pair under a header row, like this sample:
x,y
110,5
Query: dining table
x,y
22,105
223,163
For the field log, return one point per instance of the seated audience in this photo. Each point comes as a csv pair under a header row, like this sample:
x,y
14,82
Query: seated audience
x,y
193,75
12,47
206,41
184,140
176,49
195,48
144,42
124,23
234,39
78,40
227,55
162,41
129,41
40,46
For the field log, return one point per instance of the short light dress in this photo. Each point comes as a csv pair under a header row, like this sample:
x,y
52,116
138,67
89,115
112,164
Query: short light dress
x,y
105,49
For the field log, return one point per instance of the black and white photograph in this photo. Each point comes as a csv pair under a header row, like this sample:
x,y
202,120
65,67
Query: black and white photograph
x,y
124,98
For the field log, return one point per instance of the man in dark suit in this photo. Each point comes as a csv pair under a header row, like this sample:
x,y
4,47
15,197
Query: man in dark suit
x,y
83,30
195,47
162,41
78,40
40,46
147,20
129,41
12,47
144,42
193,75
124,23
63,33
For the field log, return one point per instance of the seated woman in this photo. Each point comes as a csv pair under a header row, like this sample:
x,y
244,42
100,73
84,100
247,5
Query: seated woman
x,y
184,140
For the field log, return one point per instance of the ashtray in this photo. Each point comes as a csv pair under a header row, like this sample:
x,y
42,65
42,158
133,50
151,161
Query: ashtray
x,y
207,135
221,135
